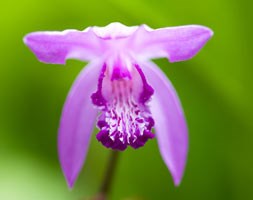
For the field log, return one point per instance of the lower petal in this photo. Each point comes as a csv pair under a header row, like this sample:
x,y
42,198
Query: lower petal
x,y
170,124
77,122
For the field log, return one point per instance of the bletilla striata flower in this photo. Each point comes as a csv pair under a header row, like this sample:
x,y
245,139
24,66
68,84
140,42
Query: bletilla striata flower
x,y
121,89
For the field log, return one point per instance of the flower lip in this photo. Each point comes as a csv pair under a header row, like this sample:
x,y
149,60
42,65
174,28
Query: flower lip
x,y
125,119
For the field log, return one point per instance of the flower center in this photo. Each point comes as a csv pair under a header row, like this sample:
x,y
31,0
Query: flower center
x,y
125,119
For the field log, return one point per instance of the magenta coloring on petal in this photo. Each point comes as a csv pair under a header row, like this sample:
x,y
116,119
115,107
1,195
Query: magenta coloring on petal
x,y
125,119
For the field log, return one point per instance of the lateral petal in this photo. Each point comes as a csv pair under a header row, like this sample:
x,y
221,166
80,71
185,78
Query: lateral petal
x,y
56,47
170,124
77,122
176,43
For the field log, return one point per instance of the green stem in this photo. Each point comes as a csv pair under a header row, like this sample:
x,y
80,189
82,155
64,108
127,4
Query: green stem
x,y
109,174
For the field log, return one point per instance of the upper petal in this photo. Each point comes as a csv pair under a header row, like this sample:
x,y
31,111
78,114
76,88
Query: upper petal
x,y
56,47
77,122
170,124
176,43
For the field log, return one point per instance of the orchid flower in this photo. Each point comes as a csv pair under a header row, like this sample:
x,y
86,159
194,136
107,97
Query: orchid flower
x,y
121,89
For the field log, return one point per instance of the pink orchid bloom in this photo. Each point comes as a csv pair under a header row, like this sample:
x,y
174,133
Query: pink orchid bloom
x,y
121,89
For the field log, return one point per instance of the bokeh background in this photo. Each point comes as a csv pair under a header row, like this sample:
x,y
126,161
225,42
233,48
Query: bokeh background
x,y
215,88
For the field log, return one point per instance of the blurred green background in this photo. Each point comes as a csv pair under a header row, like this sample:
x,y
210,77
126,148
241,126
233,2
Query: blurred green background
x,y
215,89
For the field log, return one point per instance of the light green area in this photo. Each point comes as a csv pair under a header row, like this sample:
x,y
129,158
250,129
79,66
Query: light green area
x,y
215,89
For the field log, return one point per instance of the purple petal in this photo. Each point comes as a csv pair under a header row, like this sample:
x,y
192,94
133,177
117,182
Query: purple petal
x,y
55,46
176,43
77,122
170,124
125,119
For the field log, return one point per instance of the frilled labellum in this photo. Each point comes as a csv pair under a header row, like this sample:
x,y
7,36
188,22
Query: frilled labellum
x,y
122,96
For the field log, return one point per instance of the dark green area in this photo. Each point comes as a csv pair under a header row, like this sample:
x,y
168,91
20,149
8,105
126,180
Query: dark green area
x,y
215,89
